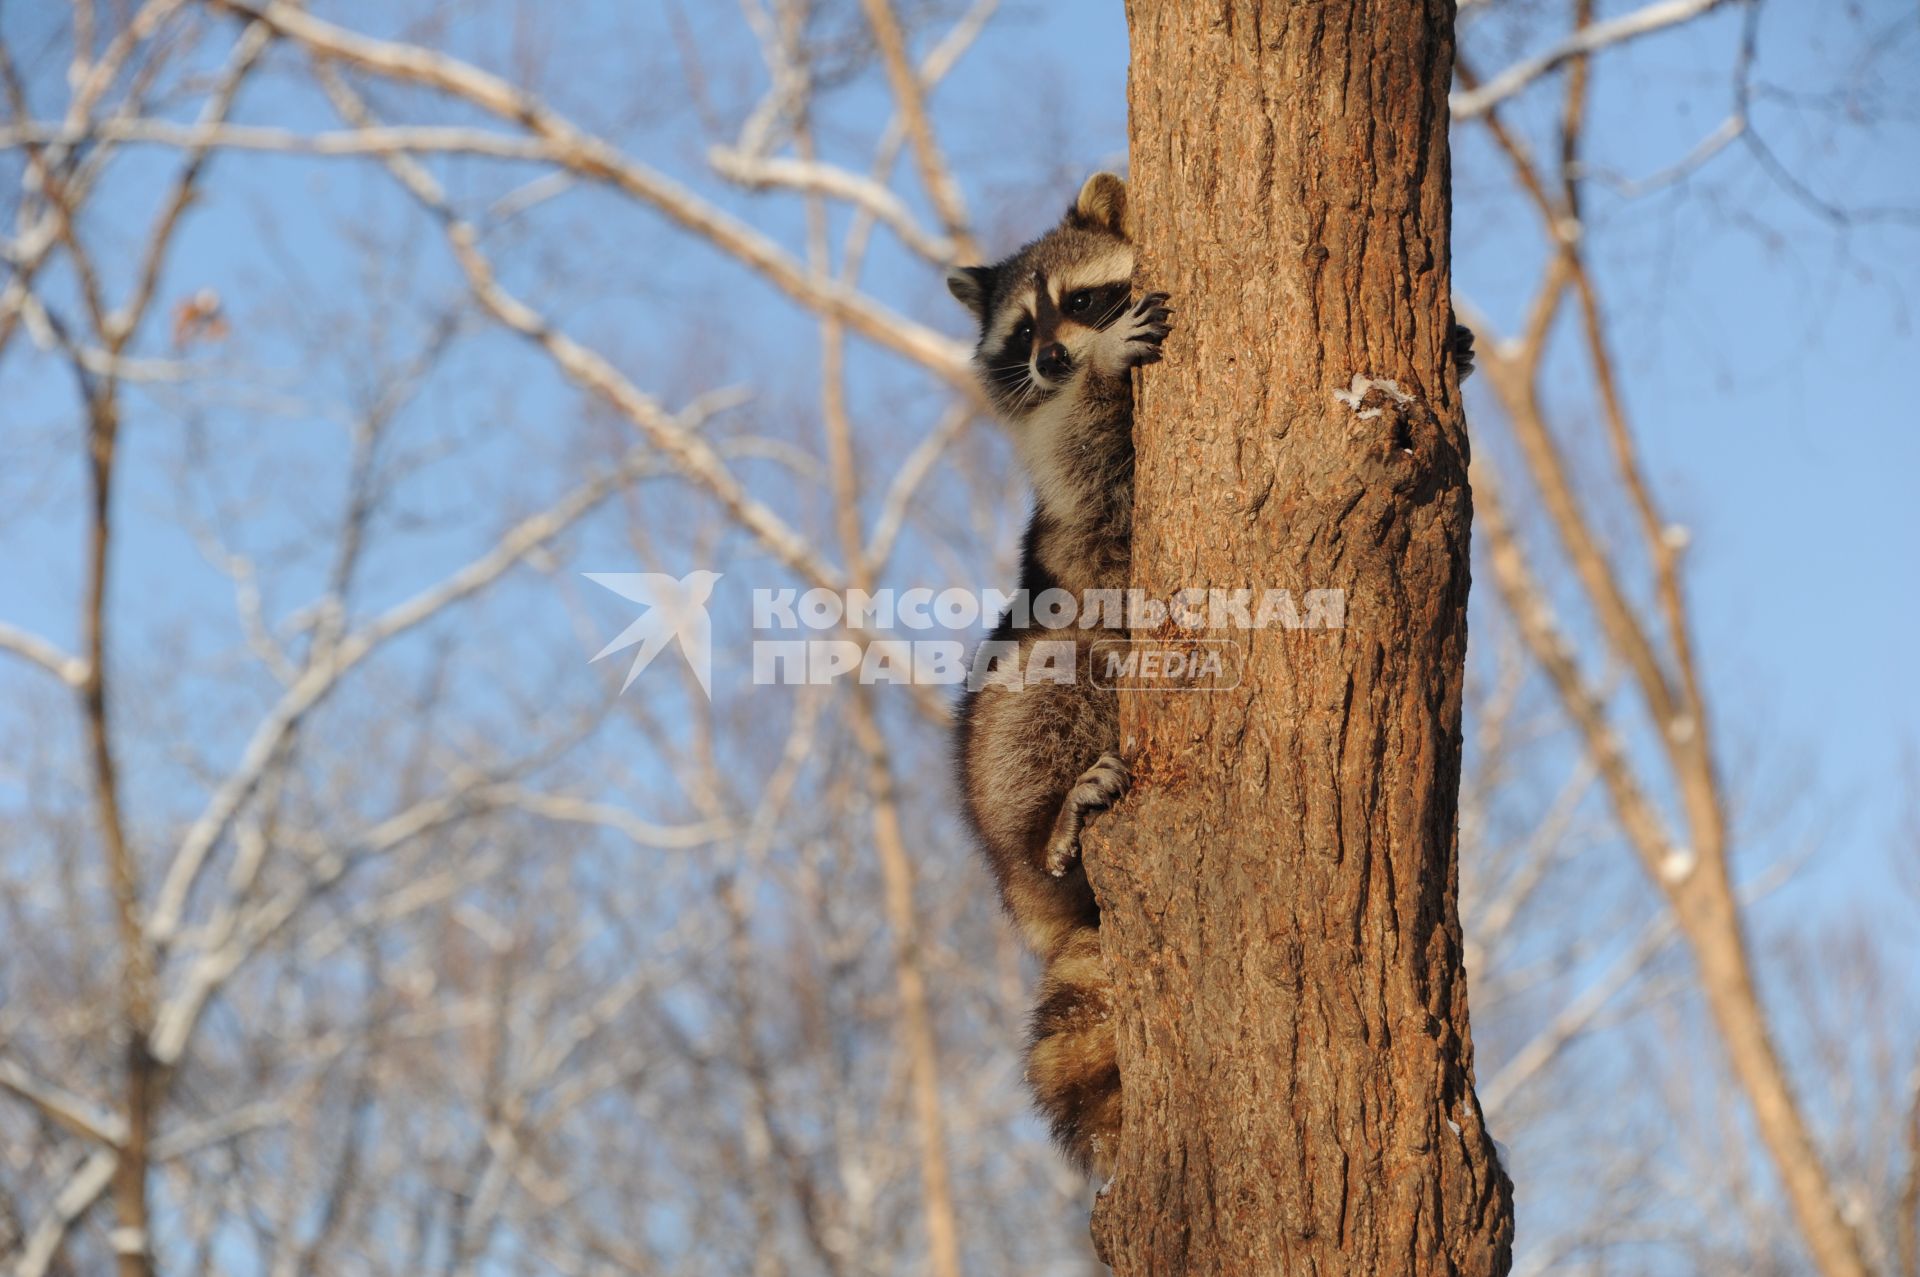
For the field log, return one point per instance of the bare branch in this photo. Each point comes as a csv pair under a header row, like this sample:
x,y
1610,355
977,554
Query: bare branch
x,y
907,480
595,159
323,675
1906,1222
579,811
69,669
240,63
1589,39
910,98
49,334
240,931
691,454
1723,135
815,178
73,1201
78,1115
1533,614
1573,1019
421,139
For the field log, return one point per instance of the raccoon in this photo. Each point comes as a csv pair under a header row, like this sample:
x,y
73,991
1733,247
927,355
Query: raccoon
x,y
1060,335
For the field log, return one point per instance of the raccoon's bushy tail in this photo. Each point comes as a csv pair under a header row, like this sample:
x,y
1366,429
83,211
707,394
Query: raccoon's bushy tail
x,y
1072,1064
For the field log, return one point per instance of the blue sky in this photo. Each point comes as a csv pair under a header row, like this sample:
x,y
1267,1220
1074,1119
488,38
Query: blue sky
x,y
1766,355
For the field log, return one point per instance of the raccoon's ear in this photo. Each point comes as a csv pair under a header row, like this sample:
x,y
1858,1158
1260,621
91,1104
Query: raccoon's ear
x,y
1102,205
972,285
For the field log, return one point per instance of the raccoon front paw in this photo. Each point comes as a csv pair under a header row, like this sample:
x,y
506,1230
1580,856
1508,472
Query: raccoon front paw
x,y
1144,328
1461,344
1099,787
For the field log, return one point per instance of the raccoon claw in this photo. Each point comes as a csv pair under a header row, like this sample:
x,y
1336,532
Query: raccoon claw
x,y
1099,787
1147,325
1460,343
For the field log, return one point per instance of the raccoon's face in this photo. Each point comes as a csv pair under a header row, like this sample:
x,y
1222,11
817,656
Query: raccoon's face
x,y
1042,310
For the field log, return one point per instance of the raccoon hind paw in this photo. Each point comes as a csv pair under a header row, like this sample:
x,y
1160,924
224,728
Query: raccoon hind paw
x,y
1099,787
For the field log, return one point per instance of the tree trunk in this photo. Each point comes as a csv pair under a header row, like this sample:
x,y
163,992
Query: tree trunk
x,y
1279,890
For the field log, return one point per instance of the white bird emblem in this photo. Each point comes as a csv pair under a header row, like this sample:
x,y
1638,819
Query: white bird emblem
x,y
676,609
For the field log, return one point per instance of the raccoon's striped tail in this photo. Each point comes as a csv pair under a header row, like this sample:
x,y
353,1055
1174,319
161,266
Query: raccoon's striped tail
x,y
1071,1061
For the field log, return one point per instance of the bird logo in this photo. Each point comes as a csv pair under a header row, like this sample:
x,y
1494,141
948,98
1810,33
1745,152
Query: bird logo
x,y
676,609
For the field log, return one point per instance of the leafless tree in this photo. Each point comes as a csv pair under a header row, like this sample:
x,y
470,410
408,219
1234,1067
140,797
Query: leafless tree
x,y
356,923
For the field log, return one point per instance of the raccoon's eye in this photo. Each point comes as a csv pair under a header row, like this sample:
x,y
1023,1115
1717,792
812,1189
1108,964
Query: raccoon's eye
x,y
1079,302
1024,333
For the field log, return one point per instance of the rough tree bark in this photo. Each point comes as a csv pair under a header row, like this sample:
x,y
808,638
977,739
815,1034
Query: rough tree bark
x,y
1280,888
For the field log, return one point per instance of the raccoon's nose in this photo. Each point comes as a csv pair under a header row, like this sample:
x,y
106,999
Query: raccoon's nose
x,y
1054,362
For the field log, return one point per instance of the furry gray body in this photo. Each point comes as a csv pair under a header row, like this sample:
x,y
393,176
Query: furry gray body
x,y
1060,334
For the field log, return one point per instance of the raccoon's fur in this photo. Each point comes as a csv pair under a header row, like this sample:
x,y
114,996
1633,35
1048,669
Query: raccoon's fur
x,y
1060,333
